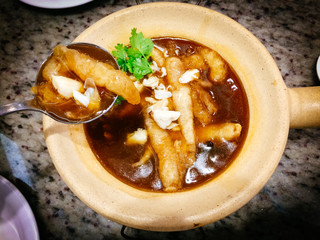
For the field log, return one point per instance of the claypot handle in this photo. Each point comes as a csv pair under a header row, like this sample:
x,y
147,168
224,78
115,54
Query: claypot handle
x,y
304,104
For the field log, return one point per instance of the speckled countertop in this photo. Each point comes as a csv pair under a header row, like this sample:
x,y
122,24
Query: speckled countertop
x,y
288,207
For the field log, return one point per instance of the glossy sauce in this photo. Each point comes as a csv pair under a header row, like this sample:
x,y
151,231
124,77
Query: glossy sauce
x,y
107,135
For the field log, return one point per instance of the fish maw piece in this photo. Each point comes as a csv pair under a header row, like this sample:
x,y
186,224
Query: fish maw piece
x,y
81,64
226,131
47,94
194,61
181,149
203,105
175,69
117,82
183,103
218,67
158,57
207,100
199,110
103,74
52,68
162,144
145,157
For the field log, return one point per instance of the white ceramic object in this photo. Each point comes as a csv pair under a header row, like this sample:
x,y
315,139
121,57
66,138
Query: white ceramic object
x,y
273,109
55,4
16,218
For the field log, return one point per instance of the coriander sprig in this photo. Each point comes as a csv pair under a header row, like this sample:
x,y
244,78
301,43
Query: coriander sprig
x,y
134,58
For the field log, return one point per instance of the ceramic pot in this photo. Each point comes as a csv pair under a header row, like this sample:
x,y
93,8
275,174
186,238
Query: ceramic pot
x,y
273,109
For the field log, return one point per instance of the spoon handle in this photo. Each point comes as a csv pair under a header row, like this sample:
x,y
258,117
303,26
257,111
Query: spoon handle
x,y
18,106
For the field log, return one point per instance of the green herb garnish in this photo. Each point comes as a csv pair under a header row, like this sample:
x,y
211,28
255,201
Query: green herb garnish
x,y
135,57
119,100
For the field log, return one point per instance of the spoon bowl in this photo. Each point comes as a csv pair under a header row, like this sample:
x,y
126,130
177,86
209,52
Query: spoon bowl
x,y
90,49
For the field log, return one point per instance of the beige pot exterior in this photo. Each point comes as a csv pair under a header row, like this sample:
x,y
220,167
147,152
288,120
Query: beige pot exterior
x,y
267,134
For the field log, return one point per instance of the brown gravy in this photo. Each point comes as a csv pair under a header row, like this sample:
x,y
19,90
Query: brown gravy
x,y
212,157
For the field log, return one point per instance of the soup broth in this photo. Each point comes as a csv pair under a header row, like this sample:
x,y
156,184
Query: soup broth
x,y
227,108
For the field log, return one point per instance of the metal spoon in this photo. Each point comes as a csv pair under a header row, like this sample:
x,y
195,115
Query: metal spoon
x,y
33,105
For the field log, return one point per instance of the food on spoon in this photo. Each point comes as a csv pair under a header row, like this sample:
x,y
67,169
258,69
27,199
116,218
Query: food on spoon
x,y
104,75
189,126
65,86
74,85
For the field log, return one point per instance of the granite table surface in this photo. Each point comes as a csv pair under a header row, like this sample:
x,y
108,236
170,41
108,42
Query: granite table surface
x,y
288,206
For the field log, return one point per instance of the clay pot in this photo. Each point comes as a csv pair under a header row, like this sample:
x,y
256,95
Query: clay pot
x,y
273,109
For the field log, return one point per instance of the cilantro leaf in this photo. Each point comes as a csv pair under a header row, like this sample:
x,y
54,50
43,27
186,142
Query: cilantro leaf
x,y
121,56
119,100
141,68
134,53
134,59
144,45
121,51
